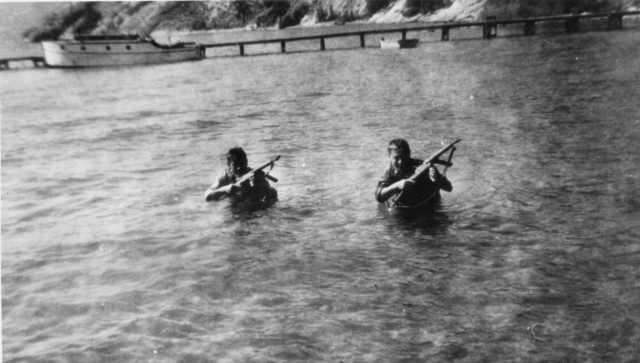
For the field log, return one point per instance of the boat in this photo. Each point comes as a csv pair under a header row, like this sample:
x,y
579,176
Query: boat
x,y
116,50
397,44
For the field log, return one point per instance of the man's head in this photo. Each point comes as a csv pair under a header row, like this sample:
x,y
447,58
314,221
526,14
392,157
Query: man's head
x,y
237,159
399,153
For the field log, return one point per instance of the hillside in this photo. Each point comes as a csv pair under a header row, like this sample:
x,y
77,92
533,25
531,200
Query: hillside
x,y
146,17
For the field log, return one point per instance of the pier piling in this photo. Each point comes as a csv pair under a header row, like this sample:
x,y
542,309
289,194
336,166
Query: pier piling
x,y
490,28
529,28
572,24
445,33
614,22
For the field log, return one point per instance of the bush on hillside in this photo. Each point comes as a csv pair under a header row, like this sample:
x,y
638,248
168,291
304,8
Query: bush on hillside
x,y
414,7
374,6
273,12
81,16
88,21
295,13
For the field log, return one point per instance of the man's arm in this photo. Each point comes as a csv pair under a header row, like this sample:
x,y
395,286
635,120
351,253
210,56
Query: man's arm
x,y
385,190
219,190
384,193
217,193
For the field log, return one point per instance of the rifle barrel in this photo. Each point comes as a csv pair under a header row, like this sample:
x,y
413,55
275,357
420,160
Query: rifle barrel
x,y
433,159
248,175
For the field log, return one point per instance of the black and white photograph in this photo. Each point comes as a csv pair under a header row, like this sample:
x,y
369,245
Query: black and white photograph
x,y
330,181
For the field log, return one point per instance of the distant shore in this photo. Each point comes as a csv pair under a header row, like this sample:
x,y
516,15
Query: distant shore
x,y
15,48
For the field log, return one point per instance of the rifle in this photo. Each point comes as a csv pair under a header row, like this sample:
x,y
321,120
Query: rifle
x,y
433,159
250,174
426,164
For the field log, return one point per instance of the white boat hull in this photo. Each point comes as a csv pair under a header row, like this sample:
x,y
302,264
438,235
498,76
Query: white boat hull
x,y
73,53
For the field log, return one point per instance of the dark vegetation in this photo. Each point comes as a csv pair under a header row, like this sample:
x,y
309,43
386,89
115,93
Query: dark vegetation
x,y
145,17
83,17
373,6
182,15
294,14
508,9
424,6
272,13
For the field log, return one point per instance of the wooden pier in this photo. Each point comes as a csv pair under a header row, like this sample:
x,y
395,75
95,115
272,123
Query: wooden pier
x,y
489,28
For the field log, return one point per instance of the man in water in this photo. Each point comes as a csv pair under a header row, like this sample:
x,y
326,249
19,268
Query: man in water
x,y
425,189
256,189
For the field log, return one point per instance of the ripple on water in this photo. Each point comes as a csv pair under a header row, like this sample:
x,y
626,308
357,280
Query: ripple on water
x,y
533,255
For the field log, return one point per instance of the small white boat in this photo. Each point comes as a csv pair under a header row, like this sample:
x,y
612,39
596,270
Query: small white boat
x,y
397,44
116,50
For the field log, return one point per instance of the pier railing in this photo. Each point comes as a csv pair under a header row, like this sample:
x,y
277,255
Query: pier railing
x,y
489,29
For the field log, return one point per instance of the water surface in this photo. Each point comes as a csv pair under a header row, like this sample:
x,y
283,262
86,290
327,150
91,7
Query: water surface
x,y
109,252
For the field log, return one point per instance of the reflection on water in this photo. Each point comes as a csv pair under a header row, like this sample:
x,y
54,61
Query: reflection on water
x,y
109,252
430,222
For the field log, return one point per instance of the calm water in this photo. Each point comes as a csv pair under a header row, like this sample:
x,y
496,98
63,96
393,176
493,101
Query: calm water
x,y
110,254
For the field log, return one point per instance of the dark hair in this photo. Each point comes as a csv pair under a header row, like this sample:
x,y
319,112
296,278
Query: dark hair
x,y
238,155
402,147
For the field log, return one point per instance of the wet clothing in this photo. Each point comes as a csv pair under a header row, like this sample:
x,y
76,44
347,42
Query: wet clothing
x,y
259,191
423,191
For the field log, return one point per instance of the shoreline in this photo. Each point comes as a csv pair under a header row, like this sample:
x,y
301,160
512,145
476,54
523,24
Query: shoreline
x,y
26,49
